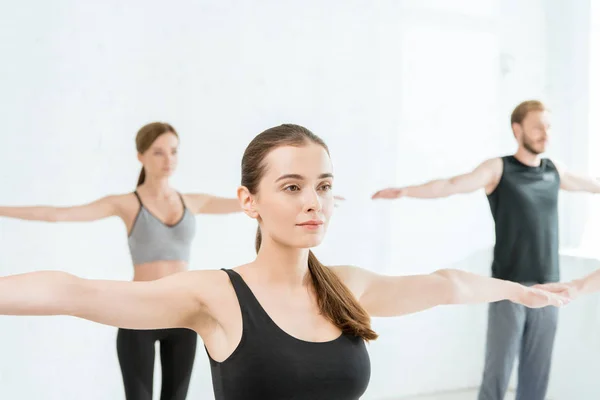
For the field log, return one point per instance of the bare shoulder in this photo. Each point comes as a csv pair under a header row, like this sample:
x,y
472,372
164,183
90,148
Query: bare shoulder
x,y
216,294
195,201
493,169
344,272
197,279
493,165
191,197
205,291
353,277
208,285
126,204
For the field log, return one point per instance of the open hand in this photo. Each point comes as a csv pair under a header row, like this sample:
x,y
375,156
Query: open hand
x,y
567,289
389,193
536,297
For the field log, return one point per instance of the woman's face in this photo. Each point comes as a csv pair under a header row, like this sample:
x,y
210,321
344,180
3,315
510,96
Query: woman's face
x,y
160,160
294,201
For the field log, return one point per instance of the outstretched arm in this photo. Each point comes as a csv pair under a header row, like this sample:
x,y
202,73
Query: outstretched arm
x,y
201,203
387,296
572,182
586,285
485,175
102,208
171,302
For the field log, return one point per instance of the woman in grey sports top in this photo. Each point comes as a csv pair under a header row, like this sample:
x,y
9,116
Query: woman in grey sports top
x,y
161,225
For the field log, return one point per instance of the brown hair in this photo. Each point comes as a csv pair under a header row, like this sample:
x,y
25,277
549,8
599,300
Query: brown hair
x,y
146,136
335,300
521,111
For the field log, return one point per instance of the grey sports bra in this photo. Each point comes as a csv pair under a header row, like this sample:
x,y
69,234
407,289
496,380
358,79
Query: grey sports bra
x,y
151,239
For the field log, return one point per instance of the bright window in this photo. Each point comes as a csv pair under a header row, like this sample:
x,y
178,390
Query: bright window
x,y
591,238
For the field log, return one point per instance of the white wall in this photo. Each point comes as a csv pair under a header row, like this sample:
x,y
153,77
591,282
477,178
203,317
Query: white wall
x,y
391,86
591,231
568,96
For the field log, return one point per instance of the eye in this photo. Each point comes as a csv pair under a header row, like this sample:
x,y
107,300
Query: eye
x,y
292,188
325,187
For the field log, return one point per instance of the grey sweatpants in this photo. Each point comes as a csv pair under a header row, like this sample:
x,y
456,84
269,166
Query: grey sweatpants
x,y
515,330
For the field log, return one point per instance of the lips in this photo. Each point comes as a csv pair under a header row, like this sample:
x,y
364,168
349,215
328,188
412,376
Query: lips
x,y
311,223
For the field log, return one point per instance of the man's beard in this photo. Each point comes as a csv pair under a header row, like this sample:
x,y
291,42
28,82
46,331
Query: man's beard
x,y
529,146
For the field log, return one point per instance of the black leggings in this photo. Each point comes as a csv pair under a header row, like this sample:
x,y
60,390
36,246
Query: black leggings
x,y
136,357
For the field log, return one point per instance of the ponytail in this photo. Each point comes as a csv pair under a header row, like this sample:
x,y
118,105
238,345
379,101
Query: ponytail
x,y
335,300
142,177
258,240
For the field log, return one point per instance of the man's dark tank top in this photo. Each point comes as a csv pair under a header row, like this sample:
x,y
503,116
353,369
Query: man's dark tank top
x,y
269,364
525,209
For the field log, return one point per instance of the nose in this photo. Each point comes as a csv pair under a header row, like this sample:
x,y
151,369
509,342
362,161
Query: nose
x,y
312,201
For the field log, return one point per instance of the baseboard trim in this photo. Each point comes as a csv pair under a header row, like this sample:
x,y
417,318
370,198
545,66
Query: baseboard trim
x,y
445,392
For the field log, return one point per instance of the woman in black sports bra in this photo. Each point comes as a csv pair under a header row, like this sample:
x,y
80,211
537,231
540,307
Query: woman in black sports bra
x,y
283,326
161,227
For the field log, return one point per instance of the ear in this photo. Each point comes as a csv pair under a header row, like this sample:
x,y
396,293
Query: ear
x,y
139,157
247,202
517,129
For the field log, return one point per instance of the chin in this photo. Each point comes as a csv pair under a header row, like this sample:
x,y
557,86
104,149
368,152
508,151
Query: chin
x,y
310,243
306,242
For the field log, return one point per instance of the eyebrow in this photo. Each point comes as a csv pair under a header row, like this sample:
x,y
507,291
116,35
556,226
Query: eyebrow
x,y
300,177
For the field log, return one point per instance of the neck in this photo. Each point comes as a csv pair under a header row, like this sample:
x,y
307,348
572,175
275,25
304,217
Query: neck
x,y
157,186
282,264
527,157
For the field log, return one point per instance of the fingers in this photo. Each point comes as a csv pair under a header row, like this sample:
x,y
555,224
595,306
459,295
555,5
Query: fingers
x,y
387,194
557,300
558,289
380,194
543,298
